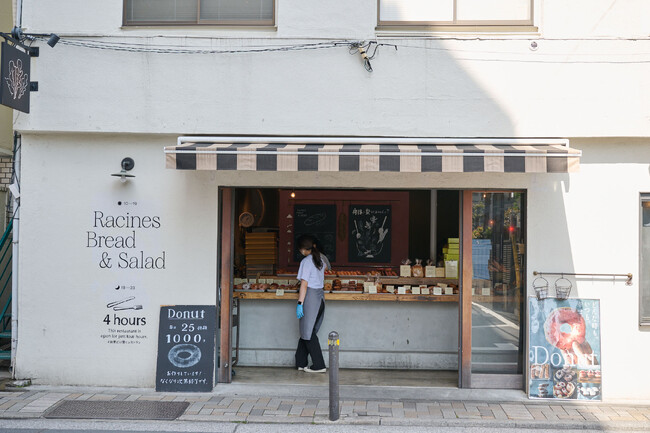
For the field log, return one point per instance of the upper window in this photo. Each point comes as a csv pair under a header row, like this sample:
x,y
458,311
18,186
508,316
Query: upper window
x,y
644,280
187,12
455,12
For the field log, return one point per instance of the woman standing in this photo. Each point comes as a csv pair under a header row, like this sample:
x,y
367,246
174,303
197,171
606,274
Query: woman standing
x,y
311,305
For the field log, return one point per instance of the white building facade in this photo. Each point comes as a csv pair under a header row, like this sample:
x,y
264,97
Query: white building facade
x,y
543,72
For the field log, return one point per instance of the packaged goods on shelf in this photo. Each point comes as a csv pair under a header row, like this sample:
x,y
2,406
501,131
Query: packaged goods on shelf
x,y
451,268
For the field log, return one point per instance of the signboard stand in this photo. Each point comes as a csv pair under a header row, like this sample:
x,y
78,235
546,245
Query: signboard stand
x,y
564,350
186,346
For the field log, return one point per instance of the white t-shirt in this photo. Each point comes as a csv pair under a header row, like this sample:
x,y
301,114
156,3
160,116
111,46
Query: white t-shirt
x,y
315,277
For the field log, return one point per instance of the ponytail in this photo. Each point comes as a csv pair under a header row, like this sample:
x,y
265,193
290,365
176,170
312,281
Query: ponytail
x,y
315,255
308,242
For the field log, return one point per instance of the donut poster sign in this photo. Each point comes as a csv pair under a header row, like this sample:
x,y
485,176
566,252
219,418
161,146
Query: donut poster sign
x,y
186,343
564,349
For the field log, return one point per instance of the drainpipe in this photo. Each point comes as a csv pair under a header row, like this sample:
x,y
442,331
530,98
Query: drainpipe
x,y
19,13
14,256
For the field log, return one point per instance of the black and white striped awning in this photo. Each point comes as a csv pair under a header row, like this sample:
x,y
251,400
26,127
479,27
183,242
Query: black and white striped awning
x,y
368,157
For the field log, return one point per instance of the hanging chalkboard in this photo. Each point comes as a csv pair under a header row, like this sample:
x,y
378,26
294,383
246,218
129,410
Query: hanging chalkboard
x,y
318,220
370,231
186,344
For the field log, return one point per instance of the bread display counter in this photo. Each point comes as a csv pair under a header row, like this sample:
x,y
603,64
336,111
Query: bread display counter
x,y
344,286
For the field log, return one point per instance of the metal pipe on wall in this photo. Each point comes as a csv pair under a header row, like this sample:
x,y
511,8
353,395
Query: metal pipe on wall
x,y
14,257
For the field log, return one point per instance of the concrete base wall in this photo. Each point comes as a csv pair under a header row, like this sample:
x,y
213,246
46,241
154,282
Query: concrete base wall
x,y
408,335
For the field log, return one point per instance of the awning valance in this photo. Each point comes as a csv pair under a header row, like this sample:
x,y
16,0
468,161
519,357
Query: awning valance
x,y
379,157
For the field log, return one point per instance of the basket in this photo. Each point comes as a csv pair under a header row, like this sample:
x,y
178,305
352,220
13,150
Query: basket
x,y
540,285
562,288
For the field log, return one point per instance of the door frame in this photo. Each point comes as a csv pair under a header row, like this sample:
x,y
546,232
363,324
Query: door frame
x,y
466,378
226,203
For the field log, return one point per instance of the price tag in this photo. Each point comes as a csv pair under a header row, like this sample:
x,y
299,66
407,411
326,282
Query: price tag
x,y
440,272
486,291
425,290
372,288
390,289
282,282
401,290
430,271
252,280
405,270
437,290
416,290
279,292
345,282
240,281
449,290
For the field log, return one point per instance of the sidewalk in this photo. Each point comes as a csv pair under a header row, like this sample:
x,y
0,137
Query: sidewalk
x,y
359,405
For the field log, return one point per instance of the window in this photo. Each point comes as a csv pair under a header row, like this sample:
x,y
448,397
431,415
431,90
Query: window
x,y
455,12
188,12
644,256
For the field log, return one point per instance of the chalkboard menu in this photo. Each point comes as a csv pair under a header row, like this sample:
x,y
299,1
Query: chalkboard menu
x,y
369,233
318,220
186,344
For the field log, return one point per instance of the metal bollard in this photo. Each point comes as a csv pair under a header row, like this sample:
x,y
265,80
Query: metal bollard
x,y
333,346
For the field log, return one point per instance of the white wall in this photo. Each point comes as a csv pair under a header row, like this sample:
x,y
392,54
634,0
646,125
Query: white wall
x,y
585,222
592,84
64,292
587,79
589,223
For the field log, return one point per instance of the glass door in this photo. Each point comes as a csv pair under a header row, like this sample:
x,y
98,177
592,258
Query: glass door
x,y
497,286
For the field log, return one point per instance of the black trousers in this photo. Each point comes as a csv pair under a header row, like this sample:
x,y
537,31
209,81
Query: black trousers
x,y
311,347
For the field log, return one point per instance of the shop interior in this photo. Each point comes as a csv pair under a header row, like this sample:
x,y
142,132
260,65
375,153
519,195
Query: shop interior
x,y
392,293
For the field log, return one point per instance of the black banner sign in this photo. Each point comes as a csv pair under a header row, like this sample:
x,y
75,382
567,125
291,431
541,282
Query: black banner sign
x,y
15,73
186,344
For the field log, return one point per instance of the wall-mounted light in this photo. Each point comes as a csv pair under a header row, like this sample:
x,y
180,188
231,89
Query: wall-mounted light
x,y
293,194
53,40
127,165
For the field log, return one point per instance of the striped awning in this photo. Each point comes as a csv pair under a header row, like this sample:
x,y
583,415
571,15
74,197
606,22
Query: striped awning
x,y
413,158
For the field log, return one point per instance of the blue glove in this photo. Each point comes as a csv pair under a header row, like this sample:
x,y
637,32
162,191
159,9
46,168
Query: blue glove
x,y
299,313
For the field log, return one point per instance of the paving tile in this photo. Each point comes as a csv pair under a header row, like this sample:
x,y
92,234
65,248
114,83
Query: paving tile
x,y
463,414
296,410
7,405
256,412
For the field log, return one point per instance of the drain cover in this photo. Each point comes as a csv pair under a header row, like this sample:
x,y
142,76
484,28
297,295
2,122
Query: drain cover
x,y
149,410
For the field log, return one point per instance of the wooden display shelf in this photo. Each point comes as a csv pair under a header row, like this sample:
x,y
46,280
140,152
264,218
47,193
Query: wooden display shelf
x,y
387,281
412,281
352,297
